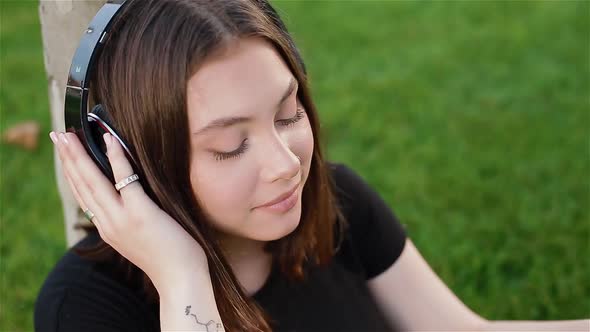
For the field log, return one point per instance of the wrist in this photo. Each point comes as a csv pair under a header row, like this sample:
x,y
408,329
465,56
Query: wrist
x,y
180,279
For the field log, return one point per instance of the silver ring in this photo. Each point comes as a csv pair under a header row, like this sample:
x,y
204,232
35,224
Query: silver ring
x,y
89,215
121,184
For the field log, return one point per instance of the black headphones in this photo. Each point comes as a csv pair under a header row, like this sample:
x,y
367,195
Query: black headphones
x,y
89,126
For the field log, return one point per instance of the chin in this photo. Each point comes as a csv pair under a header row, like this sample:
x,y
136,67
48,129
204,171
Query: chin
x,y
278,227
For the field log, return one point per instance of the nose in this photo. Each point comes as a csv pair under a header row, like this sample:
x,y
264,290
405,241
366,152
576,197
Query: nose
x,y
280,163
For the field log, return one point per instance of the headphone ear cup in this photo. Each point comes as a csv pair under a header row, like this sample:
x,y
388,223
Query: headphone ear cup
x,y
95,142
100,122
95,129
102,113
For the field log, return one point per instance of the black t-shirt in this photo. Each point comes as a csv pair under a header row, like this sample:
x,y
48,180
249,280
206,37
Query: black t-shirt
x,y
81,295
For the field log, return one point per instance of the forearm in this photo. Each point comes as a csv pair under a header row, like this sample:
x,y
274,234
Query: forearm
x,y
189,306
555,325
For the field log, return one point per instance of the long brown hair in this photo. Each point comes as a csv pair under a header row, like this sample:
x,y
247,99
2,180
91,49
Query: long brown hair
x,y
141,79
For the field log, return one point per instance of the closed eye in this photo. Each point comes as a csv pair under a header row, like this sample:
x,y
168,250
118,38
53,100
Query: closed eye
x,y
220,156
298,116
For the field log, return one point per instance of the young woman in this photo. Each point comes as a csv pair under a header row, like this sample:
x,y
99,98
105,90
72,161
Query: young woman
x,y
237,222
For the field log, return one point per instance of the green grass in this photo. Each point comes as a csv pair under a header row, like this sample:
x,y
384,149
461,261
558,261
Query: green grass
x,y
470,118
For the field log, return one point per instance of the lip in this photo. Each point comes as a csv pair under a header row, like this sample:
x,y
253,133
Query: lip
x,y
281,198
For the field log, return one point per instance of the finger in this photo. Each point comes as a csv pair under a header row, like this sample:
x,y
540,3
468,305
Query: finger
x,y
122,168
74,191
82,204
95,199
65,174
98,184
101,220
99,217
73,188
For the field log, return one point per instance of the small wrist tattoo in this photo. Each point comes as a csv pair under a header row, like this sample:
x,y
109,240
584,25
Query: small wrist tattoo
x,y
210,326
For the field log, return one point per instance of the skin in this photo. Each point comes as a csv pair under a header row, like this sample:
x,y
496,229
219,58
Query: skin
x,y
247,80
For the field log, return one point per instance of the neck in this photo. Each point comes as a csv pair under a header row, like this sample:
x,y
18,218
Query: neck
x,y
250,264
235,247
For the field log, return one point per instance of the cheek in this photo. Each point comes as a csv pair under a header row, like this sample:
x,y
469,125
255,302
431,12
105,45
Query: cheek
x,y
305,144
309,140
216,190
302,145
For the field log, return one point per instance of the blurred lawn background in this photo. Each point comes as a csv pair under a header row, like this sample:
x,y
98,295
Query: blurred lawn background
x,y
470,118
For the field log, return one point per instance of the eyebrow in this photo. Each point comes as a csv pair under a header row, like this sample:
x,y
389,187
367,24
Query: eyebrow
x,y
232,120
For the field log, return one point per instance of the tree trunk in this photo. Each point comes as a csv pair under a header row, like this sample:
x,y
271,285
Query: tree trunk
x,y
62,24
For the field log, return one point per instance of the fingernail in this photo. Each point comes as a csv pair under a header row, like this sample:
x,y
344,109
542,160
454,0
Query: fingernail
x,y
53,137
63,138
107,139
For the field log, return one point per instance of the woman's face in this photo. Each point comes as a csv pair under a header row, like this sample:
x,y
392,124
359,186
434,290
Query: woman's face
x,y
237,167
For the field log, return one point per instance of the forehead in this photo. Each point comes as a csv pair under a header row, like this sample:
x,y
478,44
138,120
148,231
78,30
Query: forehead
x,y
245,80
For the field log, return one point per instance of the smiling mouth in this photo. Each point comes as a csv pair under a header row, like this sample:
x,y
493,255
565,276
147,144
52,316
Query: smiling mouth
x,y
281,198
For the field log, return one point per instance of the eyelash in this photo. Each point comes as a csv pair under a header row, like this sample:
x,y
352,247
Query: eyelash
x,y
220,156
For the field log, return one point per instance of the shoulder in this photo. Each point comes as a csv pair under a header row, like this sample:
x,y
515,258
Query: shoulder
x,y
376,234
78,294
353,193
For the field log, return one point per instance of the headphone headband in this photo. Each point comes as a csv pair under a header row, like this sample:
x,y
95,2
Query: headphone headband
x,y
76,113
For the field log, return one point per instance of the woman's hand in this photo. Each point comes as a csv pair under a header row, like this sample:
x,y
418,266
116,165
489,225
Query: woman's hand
x,y
128,220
